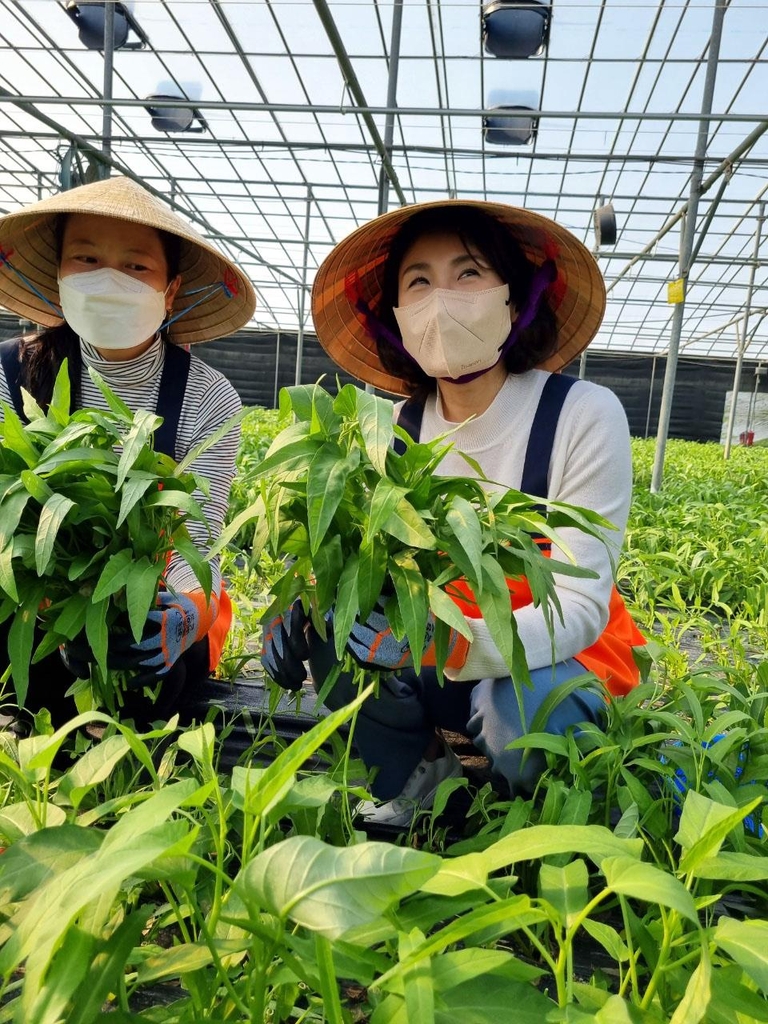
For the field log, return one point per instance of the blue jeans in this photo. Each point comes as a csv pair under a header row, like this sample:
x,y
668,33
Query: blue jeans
x,y
394,729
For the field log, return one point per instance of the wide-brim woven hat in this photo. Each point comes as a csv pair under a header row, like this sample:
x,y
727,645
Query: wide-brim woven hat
x,y
354,271
28,246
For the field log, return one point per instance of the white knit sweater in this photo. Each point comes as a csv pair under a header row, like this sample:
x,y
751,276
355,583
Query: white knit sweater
x,y
209,400
590,466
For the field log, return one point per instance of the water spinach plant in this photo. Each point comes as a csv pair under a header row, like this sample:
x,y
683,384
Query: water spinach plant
x,y
357,523
89,514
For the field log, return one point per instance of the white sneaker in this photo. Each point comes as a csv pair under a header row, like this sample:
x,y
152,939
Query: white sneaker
x,y
418,793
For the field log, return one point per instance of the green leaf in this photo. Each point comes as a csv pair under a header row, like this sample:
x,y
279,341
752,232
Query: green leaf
x,y
330,890
21,636
692,1008
208,442
346,605
15,438
197,562
115,403
11,511
52,515
274,781
293,458
407,526
106,972
43,853
593,841
38,488
411,590
93,767
372,571
384,501
463,521
141,593
174,962
608,938
645,882
490,1000
328,563
565,889
7,578
747,943
134,489
326,480
447,610
733,867
114,575
96,631
144,425
704,825
375,418
496,609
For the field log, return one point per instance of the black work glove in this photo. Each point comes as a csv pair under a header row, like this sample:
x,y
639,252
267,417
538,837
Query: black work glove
x,y
122,656
285,649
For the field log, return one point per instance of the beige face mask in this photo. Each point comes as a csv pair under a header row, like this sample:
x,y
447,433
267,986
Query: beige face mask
x,y
452,333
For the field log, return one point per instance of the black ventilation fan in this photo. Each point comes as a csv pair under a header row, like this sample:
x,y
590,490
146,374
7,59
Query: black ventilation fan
x,y
514,30
605,225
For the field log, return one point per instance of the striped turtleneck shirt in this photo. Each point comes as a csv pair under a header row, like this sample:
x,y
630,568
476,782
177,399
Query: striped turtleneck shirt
x,y
209,400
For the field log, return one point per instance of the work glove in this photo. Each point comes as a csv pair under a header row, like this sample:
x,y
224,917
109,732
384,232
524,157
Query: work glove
x,y
178,622
78,655
372,644
285,648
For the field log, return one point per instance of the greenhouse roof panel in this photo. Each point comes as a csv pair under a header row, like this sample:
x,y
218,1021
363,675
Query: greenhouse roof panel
x,y
290,103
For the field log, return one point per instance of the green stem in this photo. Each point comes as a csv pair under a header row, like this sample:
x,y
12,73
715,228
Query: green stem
x,y
653,984
630,947
328,985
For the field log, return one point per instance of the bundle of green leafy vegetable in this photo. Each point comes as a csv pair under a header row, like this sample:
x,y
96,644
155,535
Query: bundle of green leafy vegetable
x,y
358,523
89,515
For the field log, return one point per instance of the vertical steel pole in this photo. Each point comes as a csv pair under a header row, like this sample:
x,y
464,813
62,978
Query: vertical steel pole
x,y
744,333
686,246
109,52
389,123
303,292
650,398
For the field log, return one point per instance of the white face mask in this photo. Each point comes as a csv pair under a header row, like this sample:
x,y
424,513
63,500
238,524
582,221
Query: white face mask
x,y
450,333
109,309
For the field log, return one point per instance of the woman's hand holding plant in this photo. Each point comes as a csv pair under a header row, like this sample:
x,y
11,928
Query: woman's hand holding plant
x,y
285,648
373,644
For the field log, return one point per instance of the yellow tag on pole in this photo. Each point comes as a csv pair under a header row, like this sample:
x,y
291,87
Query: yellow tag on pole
x,y
675,291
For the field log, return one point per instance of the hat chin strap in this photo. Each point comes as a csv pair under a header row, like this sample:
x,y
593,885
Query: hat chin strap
x,y
543,277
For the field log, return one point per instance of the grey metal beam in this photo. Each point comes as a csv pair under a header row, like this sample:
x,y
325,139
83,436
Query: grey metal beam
x,y
350,77
87,147
389,124
686,248
366,110
724,166
744,335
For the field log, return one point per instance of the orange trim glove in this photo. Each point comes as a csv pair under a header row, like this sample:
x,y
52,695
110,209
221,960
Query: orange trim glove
x,y
372,645
285,648
179,621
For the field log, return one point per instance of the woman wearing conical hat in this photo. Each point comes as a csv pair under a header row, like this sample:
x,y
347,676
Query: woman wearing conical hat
x,y
118,282
467,308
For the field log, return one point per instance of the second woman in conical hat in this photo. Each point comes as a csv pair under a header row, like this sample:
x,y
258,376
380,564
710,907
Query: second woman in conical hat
x,y
467,308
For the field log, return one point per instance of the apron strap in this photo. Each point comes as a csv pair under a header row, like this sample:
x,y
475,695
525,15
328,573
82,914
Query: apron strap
x,y
173,384
542,437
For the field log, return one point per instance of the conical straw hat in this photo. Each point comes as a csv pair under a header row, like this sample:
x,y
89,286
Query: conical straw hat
x,y
354,270
28,244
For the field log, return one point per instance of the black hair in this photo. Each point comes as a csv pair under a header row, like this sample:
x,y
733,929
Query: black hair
x,y
43,353
479,232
